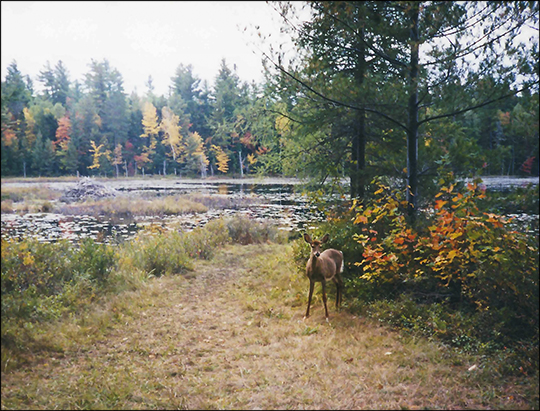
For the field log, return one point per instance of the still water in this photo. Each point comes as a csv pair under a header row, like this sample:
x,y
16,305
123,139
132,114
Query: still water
x,y
278,203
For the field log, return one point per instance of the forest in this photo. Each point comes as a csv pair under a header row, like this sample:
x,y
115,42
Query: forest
x,y
357,100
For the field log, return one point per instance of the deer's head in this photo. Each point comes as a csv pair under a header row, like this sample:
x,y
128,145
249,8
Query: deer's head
x,y
315,244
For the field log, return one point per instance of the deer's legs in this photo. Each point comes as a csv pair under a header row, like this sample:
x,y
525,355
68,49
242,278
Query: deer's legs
x,y
339,290
311,286
340,286
324,297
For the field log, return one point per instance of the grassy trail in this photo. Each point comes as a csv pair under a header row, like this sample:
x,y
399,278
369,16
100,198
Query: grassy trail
x,y
231,335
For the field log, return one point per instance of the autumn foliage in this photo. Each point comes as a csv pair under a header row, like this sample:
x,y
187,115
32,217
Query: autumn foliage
x,y
470,259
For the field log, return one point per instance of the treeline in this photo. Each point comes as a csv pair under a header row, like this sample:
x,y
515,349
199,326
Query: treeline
x,y
94,128
363,96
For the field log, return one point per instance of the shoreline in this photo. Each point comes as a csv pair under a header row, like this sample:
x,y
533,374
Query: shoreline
x,y
171,181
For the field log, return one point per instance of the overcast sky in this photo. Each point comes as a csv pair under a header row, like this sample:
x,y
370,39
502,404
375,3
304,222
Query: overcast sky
x,y
137,38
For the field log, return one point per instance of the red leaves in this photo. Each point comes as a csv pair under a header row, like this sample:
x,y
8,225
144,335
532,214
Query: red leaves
x,y
527,165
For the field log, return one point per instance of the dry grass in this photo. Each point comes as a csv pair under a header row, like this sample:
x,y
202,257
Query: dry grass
x,y
125,206
28,199
230,334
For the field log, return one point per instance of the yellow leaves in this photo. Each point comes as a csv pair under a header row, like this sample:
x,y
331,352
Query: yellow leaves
x,y
96,154
171,128
150,120
251,159
222,159
195,148
30,127
283,125
28,259
452,254
361,238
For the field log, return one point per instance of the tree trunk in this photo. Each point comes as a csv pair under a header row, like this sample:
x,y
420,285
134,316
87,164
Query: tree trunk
x,y
164,167
203,167
358,156
412,135
241,164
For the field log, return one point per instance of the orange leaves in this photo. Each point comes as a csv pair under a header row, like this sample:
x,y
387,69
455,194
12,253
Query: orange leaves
x,y
439,204
63,133
9,136
360,219
496,220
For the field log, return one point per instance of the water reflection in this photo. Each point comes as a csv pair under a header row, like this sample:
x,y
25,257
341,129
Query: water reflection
x,y
223,189
48,227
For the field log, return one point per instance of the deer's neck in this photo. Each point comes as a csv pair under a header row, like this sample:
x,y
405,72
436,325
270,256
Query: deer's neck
x,y
315,262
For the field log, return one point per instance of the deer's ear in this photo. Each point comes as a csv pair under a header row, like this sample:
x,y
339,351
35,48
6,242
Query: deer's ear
x,y
325,238
307,238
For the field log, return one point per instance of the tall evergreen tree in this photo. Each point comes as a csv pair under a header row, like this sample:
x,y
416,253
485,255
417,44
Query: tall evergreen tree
x,y
426,48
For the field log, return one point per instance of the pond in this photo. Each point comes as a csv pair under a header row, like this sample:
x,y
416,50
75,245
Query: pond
x,y
275,200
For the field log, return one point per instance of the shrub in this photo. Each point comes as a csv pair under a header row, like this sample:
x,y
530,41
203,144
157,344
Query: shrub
x,y
458,256
157,255
93,260
42,281
164,253
245,231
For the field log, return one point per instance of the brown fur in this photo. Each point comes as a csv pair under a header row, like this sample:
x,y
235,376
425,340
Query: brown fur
x,y
323,267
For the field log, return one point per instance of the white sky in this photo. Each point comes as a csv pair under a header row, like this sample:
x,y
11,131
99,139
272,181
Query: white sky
x,y
137,38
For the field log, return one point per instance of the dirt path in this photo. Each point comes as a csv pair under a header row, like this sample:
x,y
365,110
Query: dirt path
x,y
230,335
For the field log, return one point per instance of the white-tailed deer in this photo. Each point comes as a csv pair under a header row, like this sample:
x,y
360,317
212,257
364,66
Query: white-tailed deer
x,y
323,267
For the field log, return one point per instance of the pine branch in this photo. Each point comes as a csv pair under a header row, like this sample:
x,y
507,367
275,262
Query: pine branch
x,y
331,100
485,103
